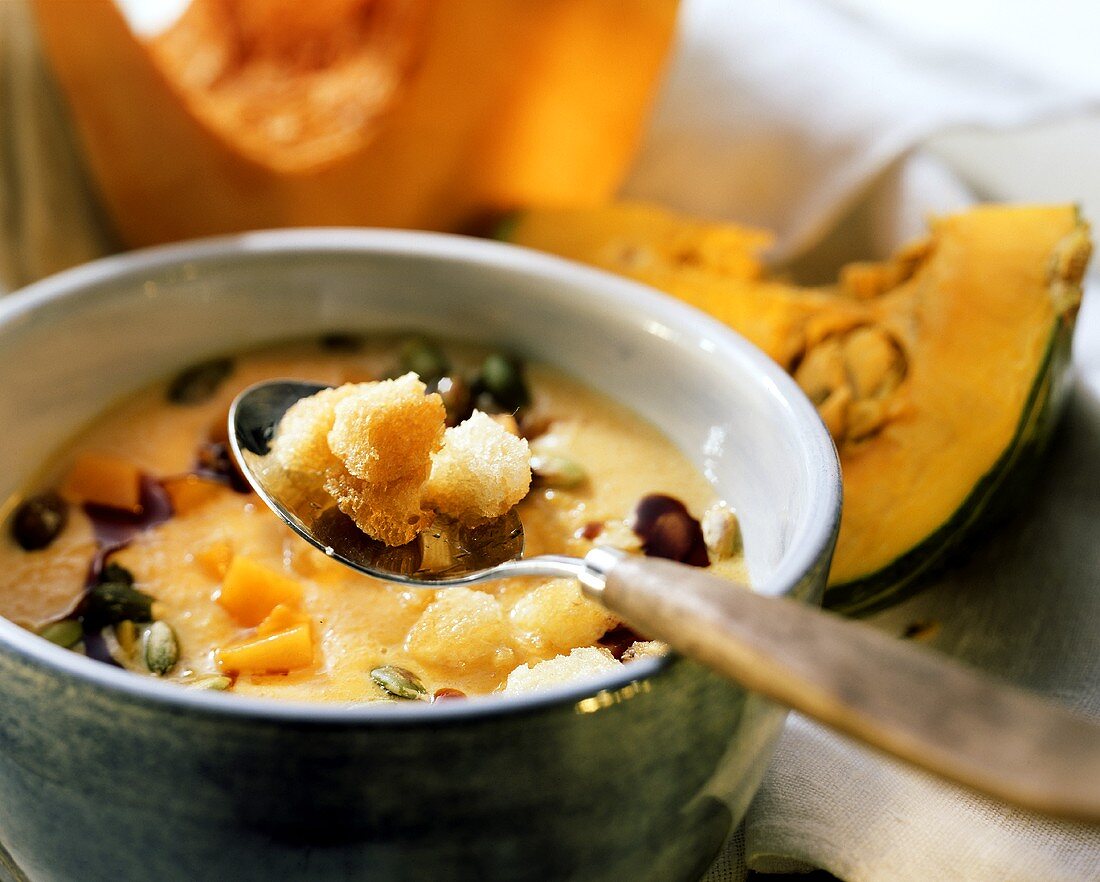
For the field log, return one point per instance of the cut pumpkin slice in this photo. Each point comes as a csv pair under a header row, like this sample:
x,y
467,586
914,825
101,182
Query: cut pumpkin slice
x,y
247,114
939,373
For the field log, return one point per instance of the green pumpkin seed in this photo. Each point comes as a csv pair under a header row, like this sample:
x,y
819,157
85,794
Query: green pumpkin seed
x,y
502,378
109,603
66,633
557,471
199,382
113,572
425,359
162,650
212,682
399,681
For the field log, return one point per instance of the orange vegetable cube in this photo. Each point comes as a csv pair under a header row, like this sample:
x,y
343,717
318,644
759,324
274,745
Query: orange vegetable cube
x,y
272,654
282,618
215,559
189,492
102,479
250,591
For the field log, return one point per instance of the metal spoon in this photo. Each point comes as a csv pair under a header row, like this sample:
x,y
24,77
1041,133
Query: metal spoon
x,y
904,699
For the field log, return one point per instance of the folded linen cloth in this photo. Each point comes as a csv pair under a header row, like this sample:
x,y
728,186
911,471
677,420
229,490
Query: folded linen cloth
x,y
782,113
805,117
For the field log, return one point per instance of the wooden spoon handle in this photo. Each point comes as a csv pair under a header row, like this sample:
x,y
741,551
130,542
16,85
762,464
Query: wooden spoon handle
x,y
904,699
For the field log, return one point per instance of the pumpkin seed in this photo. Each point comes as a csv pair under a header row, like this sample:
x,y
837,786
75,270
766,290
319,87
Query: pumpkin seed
x,y
39,520
199,382
65,633
213,682
114,572
502,378
399,681
111,602
162,650
424,359
558,471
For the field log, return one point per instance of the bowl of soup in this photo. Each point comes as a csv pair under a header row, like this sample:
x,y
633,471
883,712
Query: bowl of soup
x,y
192,691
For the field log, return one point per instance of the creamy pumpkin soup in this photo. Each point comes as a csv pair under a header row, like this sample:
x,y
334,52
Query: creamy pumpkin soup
x,y
141,545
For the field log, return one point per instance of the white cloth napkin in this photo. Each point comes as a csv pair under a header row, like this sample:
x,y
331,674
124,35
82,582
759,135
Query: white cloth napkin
x,y
783,113
807,117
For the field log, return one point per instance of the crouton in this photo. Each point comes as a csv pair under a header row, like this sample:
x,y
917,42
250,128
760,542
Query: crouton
x,y
301,444
391,512
380,450
369,445
580,663
555,617
481,471
462,628
387,431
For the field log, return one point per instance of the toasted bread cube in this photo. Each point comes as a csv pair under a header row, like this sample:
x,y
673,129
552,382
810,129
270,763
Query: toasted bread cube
x,y
580,663
106,480
391,513
481,471
556,617
387,431
271,654
251,591
301,442
461,628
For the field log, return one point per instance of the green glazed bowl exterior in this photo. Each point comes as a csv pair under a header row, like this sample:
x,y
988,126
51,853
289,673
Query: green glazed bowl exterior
x,y
106,776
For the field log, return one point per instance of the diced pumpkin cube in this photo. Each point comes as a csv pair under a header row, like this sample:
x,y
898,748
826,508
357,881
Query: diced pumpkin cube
x,y
106,480
189,492
271,654
282,618
250,591
215,559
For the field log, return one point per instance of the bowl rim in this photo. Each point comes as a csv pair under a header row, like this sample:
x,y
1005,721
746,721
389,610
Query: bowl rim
x,y
666,315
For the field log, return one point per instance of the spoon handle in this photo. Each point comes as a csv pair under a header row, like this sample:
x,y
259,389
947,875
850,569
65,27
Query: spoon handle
x,y
904,699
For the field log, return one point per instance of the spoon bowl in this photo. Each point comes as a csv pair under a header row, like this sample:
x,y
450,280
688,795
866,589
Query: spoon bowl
x,y
446,552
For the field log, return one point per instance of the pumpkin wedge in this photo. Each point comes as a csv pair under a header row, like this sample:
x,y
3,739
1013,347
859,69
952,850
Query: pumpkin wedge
x,y
939,373
402,113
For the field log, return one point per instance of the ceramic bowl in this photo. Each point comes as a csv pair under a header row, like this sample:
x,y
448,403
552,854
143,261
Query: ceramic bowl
x,y
107,775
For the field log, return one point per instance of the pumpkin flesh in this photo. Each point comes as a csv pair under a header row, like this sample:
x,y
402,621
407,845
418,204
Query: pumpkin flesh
x,y
427,114
937,372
